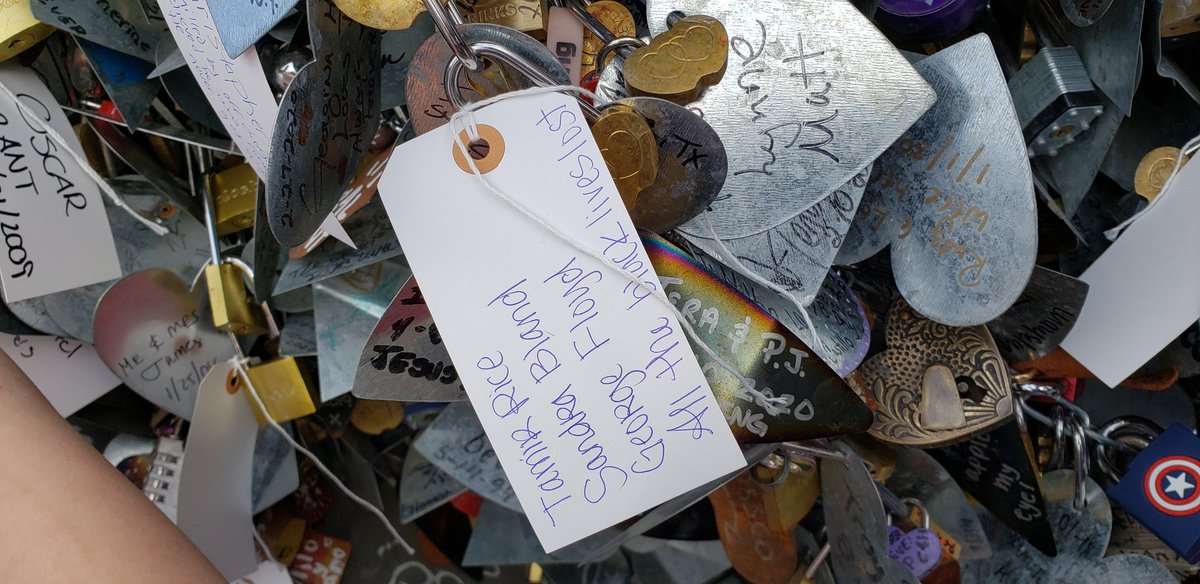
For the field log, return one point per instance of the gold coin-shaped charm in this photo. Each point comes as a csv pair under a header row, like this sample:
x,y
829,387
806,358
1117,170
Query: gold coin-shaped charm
x,y
1154,170
382,14
629,150
680,63
617,19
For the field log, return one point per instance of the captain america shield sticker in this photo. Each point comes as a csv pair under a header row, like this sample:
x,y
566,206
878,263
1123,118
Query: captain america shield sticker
x,y
1173,485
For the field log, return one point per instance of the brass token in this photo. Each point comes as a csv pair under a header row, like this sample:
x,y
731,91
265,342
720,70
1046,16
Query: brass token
x,y
629,150
527,16
680,63
1154,170
617,19
382,14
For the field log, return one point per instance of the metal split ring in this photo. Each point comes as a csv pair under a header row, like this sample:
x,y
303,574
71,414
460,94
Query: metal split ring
x,y
446,20
502,54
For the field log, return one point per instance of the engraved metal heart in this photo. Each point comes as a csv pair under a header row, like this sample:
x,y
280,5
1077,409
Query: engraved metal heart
x,y
157,336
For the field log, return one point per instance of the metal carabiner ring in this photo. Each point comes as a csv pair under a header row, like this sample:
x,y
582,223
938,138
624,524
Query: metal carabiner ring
x,y
503,54
446,20
591,23
613,45
1079,438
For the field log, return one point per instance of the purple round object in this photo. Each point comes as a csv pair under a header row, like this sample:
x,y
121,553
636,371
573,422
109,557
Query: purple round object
x,y
923,21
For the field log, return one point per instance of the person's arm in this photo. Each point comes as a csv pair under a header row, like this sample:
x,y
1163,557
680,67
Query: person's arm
x,y
66,515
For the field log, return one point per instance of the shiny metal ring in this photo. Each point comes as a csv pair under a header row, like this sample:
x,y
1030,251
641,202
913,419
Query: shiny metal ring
x,y
783,471
503,54
613,45
1126,429
446,20
1058,451
1079,439
915,502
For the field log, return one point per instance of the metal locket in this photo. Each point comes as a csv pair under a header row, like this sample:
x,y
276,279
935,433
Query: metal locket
x,y
812,94
936,384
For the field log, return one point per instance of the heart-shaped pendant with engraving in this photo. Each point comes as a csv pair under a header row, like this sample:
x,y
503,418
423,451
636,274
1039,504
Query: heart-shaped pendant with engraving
x,y
936,384
155,334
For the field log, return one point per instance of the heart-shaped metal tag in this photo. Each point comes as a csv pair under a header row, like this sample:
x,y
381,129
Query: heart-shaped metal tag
x,y
155,334
936,384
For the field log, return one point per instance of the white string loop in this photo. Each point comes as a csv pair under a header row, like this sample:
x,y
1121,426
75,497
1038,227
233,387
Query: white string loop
x,y
466,118
83,164
240,364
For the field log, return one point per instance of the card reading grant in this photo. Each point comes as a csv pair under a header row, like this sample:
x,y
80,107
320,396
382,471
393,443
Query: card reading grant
x,y
582,379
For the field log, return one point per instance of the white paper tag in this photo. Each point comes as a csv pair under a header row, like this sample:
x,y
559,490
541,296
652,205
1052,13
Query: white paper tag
x,y
1144,289
583,381
55,229
236,88
267,573
215,481
68,372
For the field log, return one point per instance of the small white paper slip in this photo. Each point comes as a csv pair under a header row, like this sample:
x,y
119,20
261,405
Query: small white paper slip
x,y
215,481
267,573
1144,289
583,380
564,36
55,229
236,88
69,373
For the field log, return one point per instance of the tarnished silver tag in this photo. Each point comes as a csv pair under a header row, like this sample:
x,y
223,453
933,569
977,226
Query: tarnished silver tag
x,y
456,443
811,95
954,196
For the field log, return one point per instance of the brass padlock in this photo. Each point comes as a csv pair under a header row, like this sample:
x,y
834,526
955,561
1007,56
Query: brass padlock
x,y
283,386
19,30
233,309
791,491
234,192
527,16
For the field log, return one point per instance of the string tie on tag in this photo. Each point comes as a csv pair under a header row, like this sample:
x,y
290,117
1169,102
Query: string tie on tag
x,y
83,164
240,364
1188,148
465,118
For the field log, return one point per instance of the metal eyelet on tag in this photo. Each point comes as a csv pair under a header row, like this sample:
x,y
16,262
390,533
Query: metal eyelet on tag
x,y
487,151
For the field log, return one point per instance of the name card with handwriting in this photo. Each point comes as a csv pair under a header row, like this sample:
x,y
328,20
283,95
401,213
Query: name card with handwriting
x,y
68,373
236,88
55,230
582,379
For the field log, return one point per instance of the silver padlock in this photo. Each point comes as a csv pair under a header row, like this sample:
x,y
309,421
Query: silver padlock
x,y
1055,100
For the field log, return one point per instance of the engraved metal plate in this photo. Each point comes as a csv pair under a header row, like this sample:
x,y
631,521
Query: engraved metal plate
x,y
818,401
913,410
1041,317
424,487
836,313
797,254
326,121
101,22
812,93
954,196
376,239
404,358
456,443
347,308
856,524
1082,538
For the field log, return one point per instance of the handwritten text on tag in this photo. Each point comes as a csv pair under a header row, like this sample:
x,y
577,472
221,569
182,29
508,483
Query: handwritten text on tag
x,y
583,381
236,88
55,231
68,373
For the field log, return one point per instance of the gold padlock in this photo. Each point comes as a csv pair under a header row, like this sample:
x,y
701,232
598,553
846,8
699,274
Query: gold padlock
x,y
234,192
19,30
283,386
233,309
527,16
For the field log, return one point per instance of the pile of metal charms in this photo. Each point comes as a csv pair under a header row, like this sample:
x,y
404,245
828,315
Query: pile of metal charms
x,y
933,259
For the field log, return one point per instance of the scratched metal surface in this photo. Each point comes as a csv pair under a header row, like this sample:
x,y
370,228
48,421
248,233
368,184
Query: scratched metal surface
x,y
424,487
954,196
456,443
856,524
813,92
1041,317
240,23
797,254
101,22
1111,50
369,228
397,52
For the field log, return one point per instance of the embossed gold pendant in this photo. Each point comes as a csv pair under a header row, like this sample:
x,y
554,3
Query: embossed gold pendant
x,y
629,150
680,63
936,384
617,19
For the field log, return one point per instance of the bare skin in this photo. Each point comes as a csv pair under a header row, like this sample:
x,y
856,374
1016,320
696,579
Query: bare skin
x,y
69,516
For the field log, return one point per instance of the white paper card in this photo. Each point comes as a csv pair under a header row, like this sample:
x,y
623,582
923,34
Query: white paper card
x,y
214,483
69,373
267,573
55,229
1144,289
583,380
236,88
